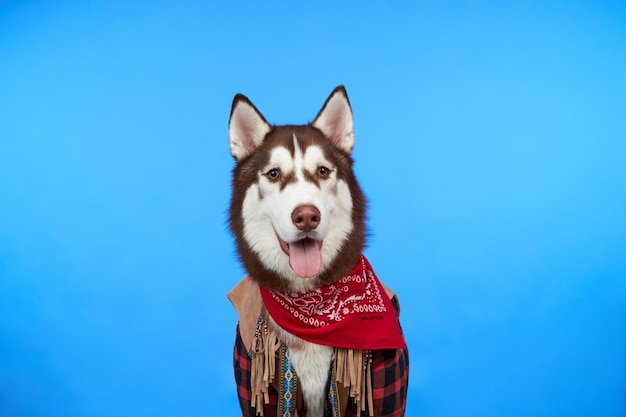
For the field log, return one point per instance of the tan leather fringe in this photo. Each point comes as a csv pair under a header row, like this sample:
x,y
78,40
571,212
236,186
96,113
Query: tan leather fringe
x,y
264,351
352,370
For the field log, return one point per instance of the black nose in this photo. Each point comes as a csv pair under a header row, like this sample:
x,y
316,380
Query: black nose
x,y
306,217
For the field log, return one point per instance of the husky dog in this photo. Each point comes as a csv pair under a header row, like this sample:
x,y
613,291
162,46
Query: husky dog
x,y
298,217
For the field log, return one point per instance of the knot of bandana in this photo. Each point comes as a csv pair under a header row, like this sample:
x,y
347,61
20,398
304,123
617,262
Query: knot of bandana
x,y
353,312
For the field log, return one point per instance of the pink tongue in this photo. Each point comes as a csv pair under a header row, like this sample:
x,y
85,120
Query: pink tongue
x,y
305,258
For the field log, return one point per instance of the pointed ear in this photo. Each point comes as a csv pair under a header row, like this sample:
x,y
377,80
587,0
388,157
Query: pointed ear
x,y
247,127
335,120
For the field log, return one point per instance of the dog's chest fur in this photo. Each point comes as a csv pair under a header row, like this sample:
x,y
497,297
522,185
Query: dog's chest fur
x,y
312,364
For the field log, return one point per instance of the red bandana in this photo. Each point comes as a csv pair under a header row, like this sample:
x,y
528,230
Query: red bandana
x,y
352,313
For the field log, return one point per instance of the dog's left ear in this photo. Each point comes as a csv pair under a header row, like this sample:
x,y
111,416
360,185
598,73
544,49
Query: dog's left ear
x,y
335,120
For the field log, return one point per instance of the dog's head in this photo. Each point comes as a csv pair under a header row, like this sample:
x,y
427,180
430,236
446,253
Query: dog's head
x,y
297,212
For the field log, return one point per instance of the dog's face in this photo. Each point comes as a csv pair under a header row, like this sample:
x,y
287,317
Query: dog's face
x,y
297,212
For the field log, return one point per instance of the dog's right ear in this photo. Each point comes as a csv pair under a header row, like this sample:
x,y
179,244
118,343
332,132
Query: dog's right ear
x,y
335,120
247,127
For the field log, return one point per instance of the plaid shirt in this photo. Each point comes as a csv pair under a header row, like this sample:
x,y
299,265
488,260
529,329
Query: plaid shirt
x,y
390,380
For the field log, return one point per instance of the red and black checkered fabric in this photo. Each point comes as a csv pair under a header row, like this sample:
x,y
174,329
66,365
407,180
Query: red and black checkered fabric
x,y
243,365
390,380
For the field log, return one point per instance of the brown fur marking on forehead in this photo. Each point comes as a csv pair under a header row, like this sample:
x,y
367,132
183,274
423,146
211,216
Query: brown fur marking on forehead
x,y
305,135
309,136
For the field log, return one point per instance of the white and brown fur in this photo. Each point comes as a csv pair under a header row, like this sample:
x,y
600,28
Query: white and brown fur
x,y
289,183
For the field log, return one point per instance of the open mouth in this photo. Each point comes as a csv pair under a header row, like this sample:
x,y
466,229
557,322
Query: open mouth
x,y
305,256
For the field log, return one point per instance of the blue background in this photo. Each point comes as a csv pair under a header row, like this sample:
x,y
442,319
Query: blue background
x,y
490,140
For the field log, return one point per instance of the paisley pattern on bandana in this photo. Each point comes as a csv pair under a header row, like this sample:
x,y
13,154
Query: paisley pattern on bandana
x,y
352,294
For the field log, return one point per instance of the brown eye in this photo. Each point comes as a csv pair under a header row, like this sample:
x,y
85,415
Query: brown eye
x,y
323,171
273,174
